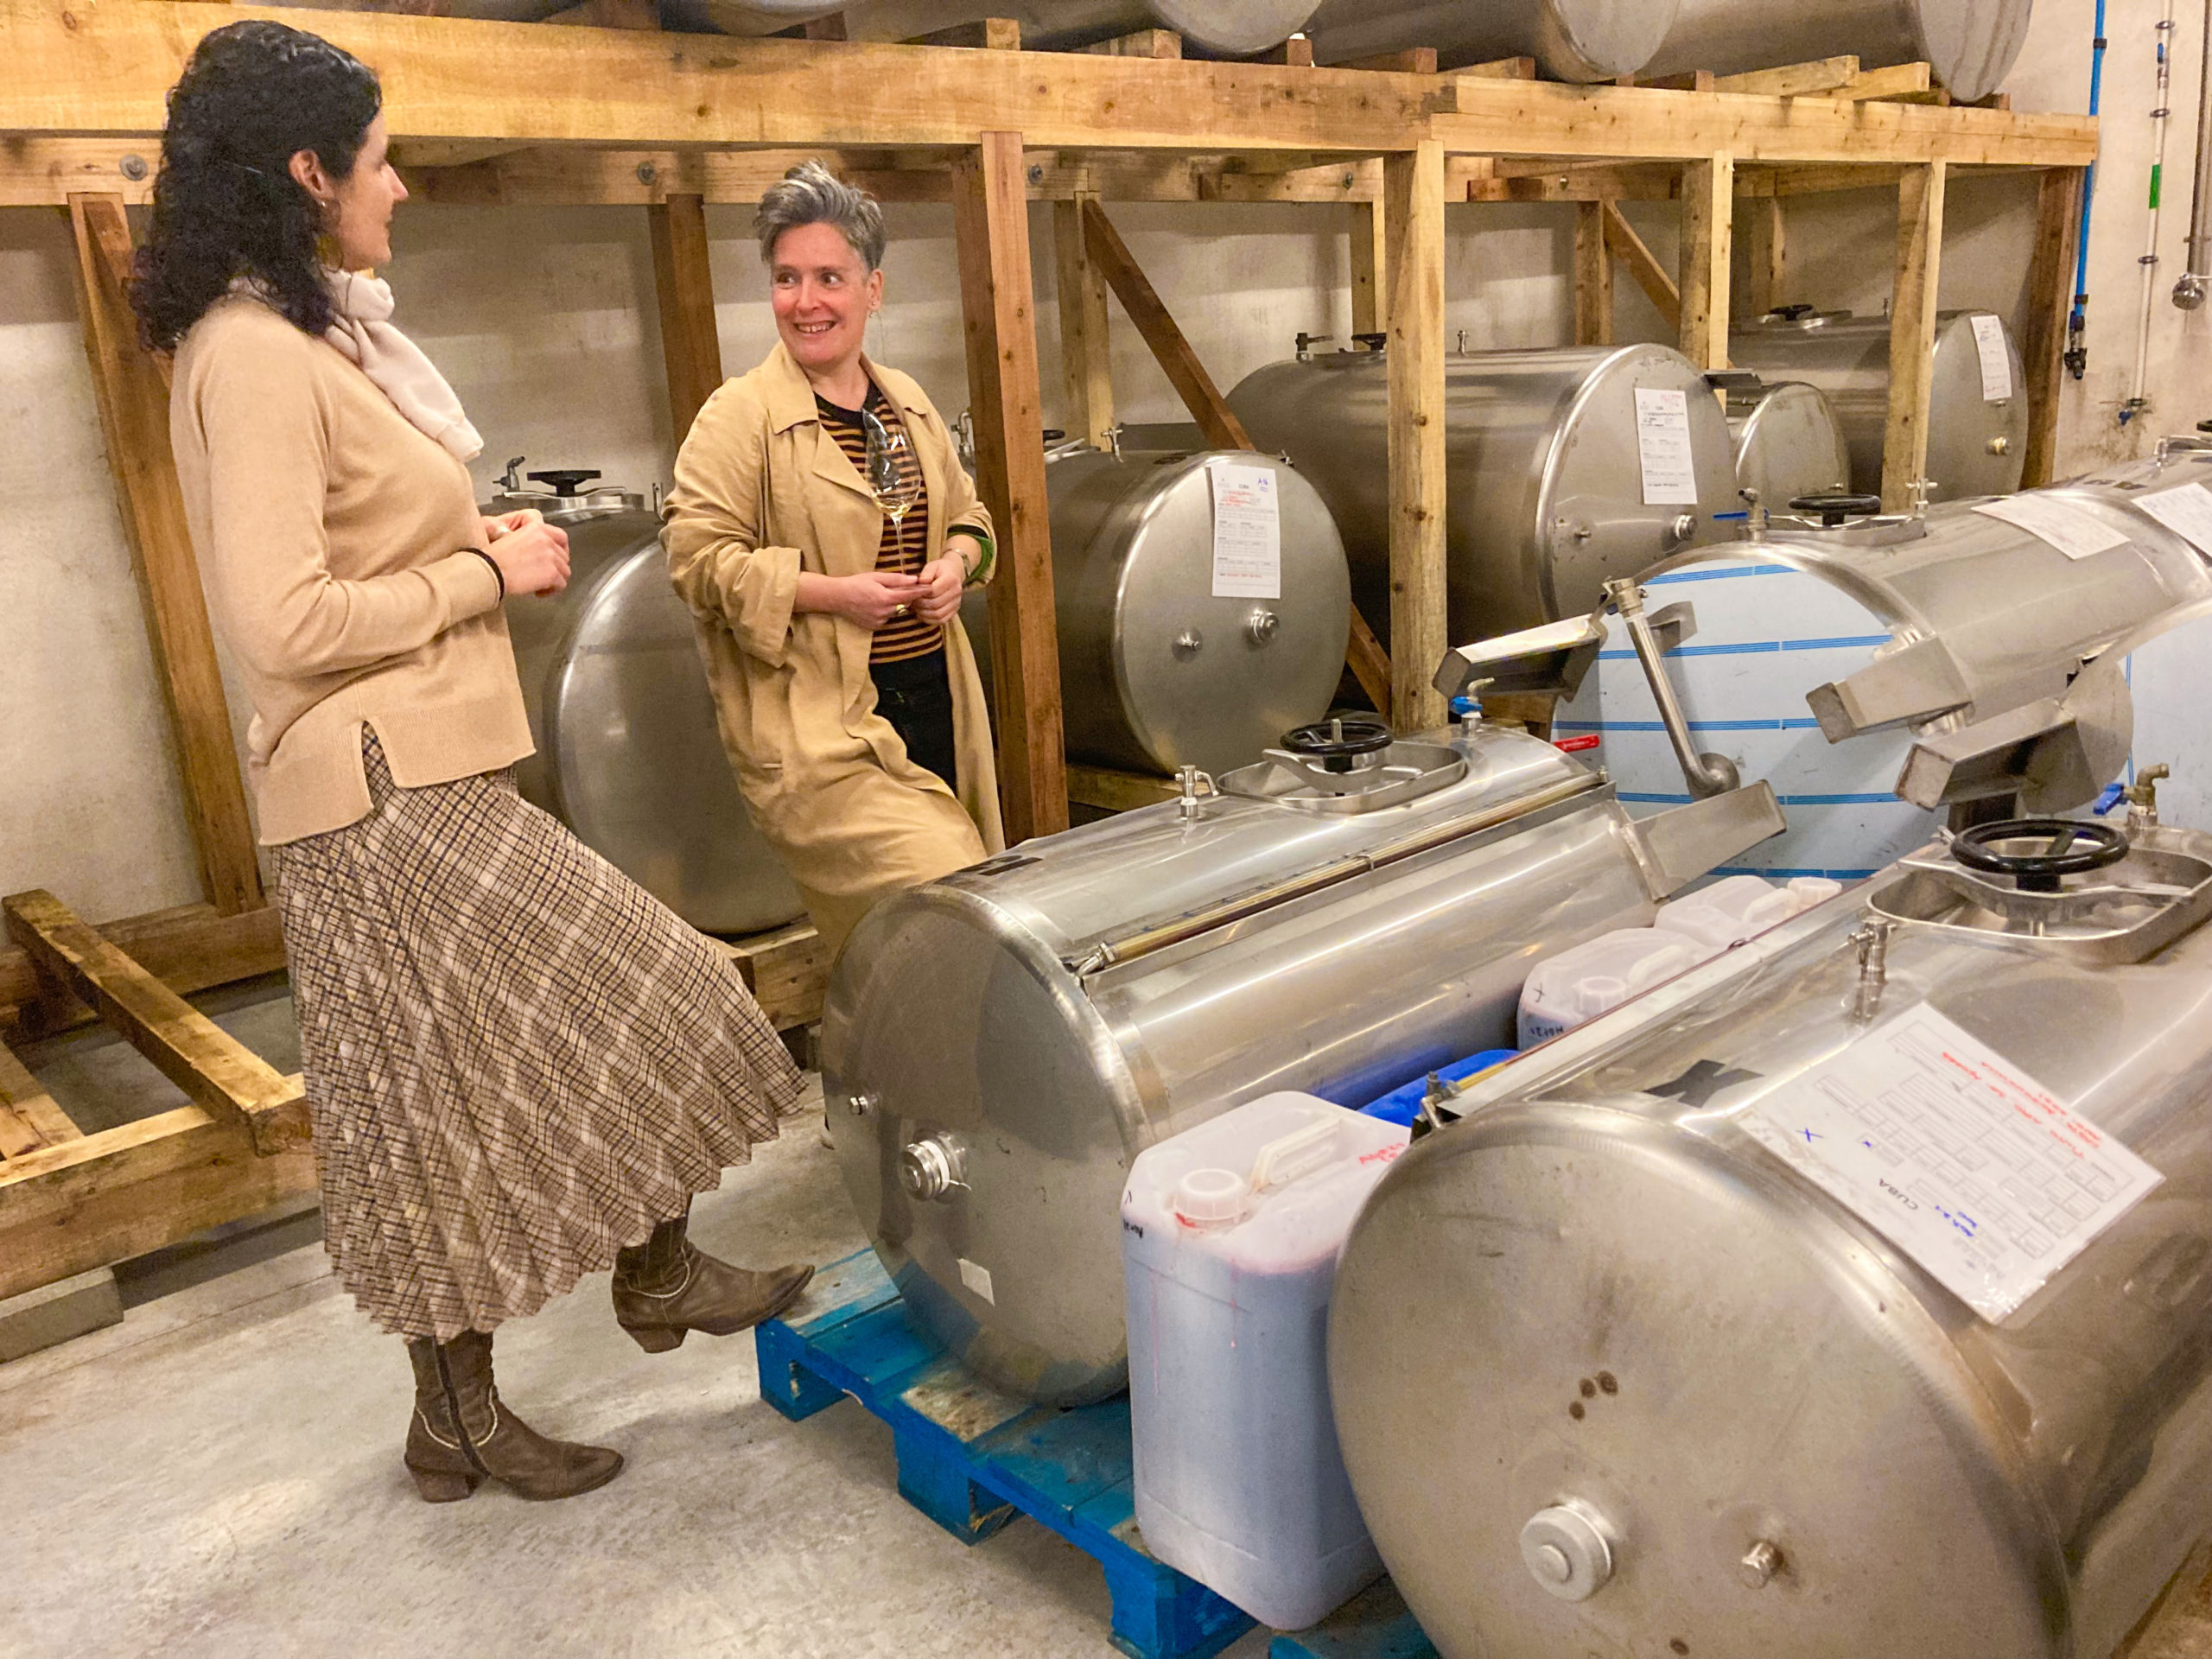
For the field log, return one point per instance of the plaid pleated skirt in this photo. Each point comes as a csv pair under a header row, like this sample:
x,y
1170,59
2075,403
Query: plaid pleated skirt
x,y
517,1060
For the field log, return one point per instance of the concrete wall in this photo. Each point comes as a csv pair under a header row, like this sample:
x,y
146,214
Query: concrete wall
x,y
544,320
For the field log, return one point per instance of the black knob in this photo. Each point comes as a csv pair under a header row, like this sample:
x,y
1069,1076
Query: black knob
x,y
564,482
2056,847
1790,313
1337,743
2204,426
1373,342
1832,510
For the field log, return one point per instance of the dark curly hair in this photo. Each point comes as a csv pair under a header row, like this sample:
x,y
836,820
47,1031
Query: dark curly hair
x,y
225,204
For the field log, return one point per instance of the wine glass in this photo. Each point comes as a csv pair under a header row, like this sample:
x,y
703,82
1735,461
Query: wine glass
x,y
894,477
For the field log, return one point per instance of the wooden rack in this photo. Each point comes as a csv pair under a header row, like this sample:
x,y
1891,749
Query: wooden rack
x,y
596,108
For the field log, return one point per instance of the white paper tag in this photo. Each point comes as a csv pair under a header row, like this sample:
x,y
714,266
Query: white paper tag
x,y
1996,358
1247,531
2076,534
1662,447
978,1279
2187,511
1963,1162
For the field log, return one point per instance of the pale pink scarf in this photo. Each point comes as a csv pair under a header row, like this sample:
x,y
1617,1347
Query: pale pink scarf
x,y
362,329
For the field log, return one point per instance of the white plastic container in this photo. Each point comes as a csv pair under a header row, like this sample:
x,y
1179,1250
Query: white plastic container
x,y
1731,911
1230,1233
1600,975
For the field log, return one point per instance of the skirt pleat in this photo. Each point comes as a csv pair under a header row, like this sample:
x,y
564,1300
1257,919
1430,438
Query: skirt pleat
x,y
517,1060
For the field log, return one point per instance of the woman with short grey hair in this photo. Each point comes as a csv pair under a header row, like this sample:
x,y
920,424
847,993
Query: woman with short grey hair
x,y
823,530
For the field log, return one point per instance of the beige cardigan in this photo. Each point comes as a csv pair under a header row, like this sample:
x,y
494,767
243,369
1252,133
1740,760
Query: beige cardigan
x,y
328,532
762,493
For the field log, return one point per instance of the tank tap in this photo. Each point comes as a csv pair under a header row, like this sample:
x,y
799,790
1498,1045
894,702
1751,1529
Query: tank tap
x,y
1755,515
1186,802
1916,494
1468,705
1873,943
511,481
1114,439
2142,797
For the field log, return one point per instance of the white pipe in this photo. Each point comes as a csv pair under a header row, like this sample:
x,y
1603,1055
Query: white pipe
x,y
2138,401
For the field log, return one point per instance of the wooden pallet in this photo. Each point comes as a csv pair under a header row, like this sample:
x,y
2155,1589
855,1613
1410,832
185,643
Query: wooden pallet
x,y
972,1459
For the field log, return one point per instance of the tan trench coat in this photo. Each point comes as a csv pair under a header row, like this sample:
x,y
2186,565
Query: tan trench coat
x,y
761,493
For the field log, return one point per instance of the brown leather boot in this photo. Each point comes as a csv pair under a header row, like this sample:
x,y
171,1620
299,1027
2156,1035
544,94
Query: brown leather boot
x,y
666,1287
463,1431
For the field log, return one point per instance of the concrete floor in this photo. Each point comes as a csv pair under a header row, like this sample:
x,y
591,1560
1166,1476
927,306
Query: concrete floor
x,y
220,1476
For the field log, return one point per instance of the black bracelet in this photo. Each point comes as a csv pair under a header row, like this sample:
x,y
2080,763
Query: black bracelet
x,y
497,574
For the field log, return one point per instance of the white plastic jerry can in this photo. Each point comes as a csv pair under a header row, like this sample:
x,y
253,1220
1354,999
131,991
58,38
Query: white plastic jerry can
x,y
1229,1238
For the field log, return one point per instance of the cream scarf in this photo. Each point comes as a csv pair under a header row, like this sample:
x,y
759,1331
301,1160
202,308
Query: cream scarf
x,y
362,330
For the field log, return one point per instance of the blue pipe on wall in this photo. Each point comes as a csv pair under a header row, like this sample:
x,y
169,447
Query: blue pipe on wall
x,y
2077,353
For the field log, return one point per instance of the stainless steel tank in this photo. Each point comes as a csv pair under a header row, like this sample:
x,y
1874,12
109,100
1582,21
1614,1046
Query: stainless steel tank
x,y
627,752
1702,1330
999,1045
1788,443
1157,670
1970,45
1977,404
727,17
1228,28
1549,494
1572,39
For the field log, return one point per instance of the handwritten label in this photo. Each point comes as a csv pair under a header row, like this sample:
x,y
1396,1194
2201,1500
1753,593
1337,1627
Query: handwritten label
x,y
2187,511
1662,447
1996,358
1247,531
2076,534
1961,1159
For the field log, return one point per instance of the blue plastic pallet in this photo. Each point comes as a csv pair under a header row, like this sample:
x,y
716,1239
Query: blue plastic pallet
x,y
1373,1625
971,1459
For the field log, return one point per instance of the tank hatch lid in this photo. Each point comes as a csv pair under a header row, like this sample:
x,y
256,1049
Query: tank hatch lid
x,y
1552,657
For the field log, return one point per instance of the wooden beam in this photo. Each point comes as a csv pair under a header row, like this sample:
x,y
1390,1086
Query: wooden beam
x,y
1157,44
1707,259
1412,186
1898,80
985,34
1501,69
1412,60
611,13
188,949
102,1198
1593,276
1297,52
1117,792
1690,81
211,1067
1912,332
1157,328
787,971
1085,358
134,410
28,1117
1369,662
690,343
991,226
1792,80
1768,249
2043,341
104,68
1830,178
1650,275
1370,296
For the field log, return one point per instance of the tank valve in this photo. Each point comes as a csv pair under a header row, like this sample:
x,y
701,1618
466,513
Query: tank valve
x,y
1188,643
2000,445
1188,798
932,1167
1262,626
862,1102
1873,943
1760,1563
1682,529
2142,797
1566,1551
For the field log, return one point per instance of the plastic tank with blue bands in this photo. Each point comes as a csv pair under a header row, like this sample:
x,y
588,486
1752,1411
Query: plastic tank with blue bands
x,y
1402,1104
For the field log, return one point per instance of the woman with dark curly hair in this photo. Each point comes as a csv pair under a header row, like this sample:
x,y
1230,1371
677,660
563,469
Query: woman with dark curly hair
x,y
521,1066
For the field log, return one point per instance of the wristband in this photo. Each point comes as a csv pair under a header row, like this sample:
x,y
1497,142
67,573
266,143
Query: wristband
x,y
497,574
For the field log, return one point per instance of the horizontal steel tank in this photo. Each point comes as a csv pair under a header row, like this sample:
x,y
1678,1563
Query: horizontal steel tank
x,y
1228,29
628,756
1560,475
1789,441
1770,1315
1970,45
1158,669
726,16
998,1045
1978,402
1572,39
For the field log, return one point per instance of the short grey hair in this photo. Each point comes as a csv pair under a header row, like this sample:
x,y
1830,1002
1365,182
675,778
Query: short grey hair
x,y
812,194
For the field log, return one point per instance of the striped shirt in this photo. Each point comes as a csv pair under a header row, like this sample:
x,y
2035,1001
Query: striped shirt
x,y
905,546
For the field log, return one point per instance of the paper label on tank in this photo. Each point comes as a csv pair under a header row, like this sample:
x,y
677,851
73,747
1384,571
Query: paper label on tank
x,y
1247,531
1662,447
1962,1160
2187,511
2072,531
1996,358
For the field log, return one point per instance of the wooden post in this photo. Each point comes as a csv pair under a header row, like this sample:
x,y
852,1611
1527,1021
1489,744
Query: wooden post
x,y
2051,289
134,410
1370,306
689,342
991,226
1912,331
1708,238
1769,251
1156,328
1084,342
1593,276
1412,192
